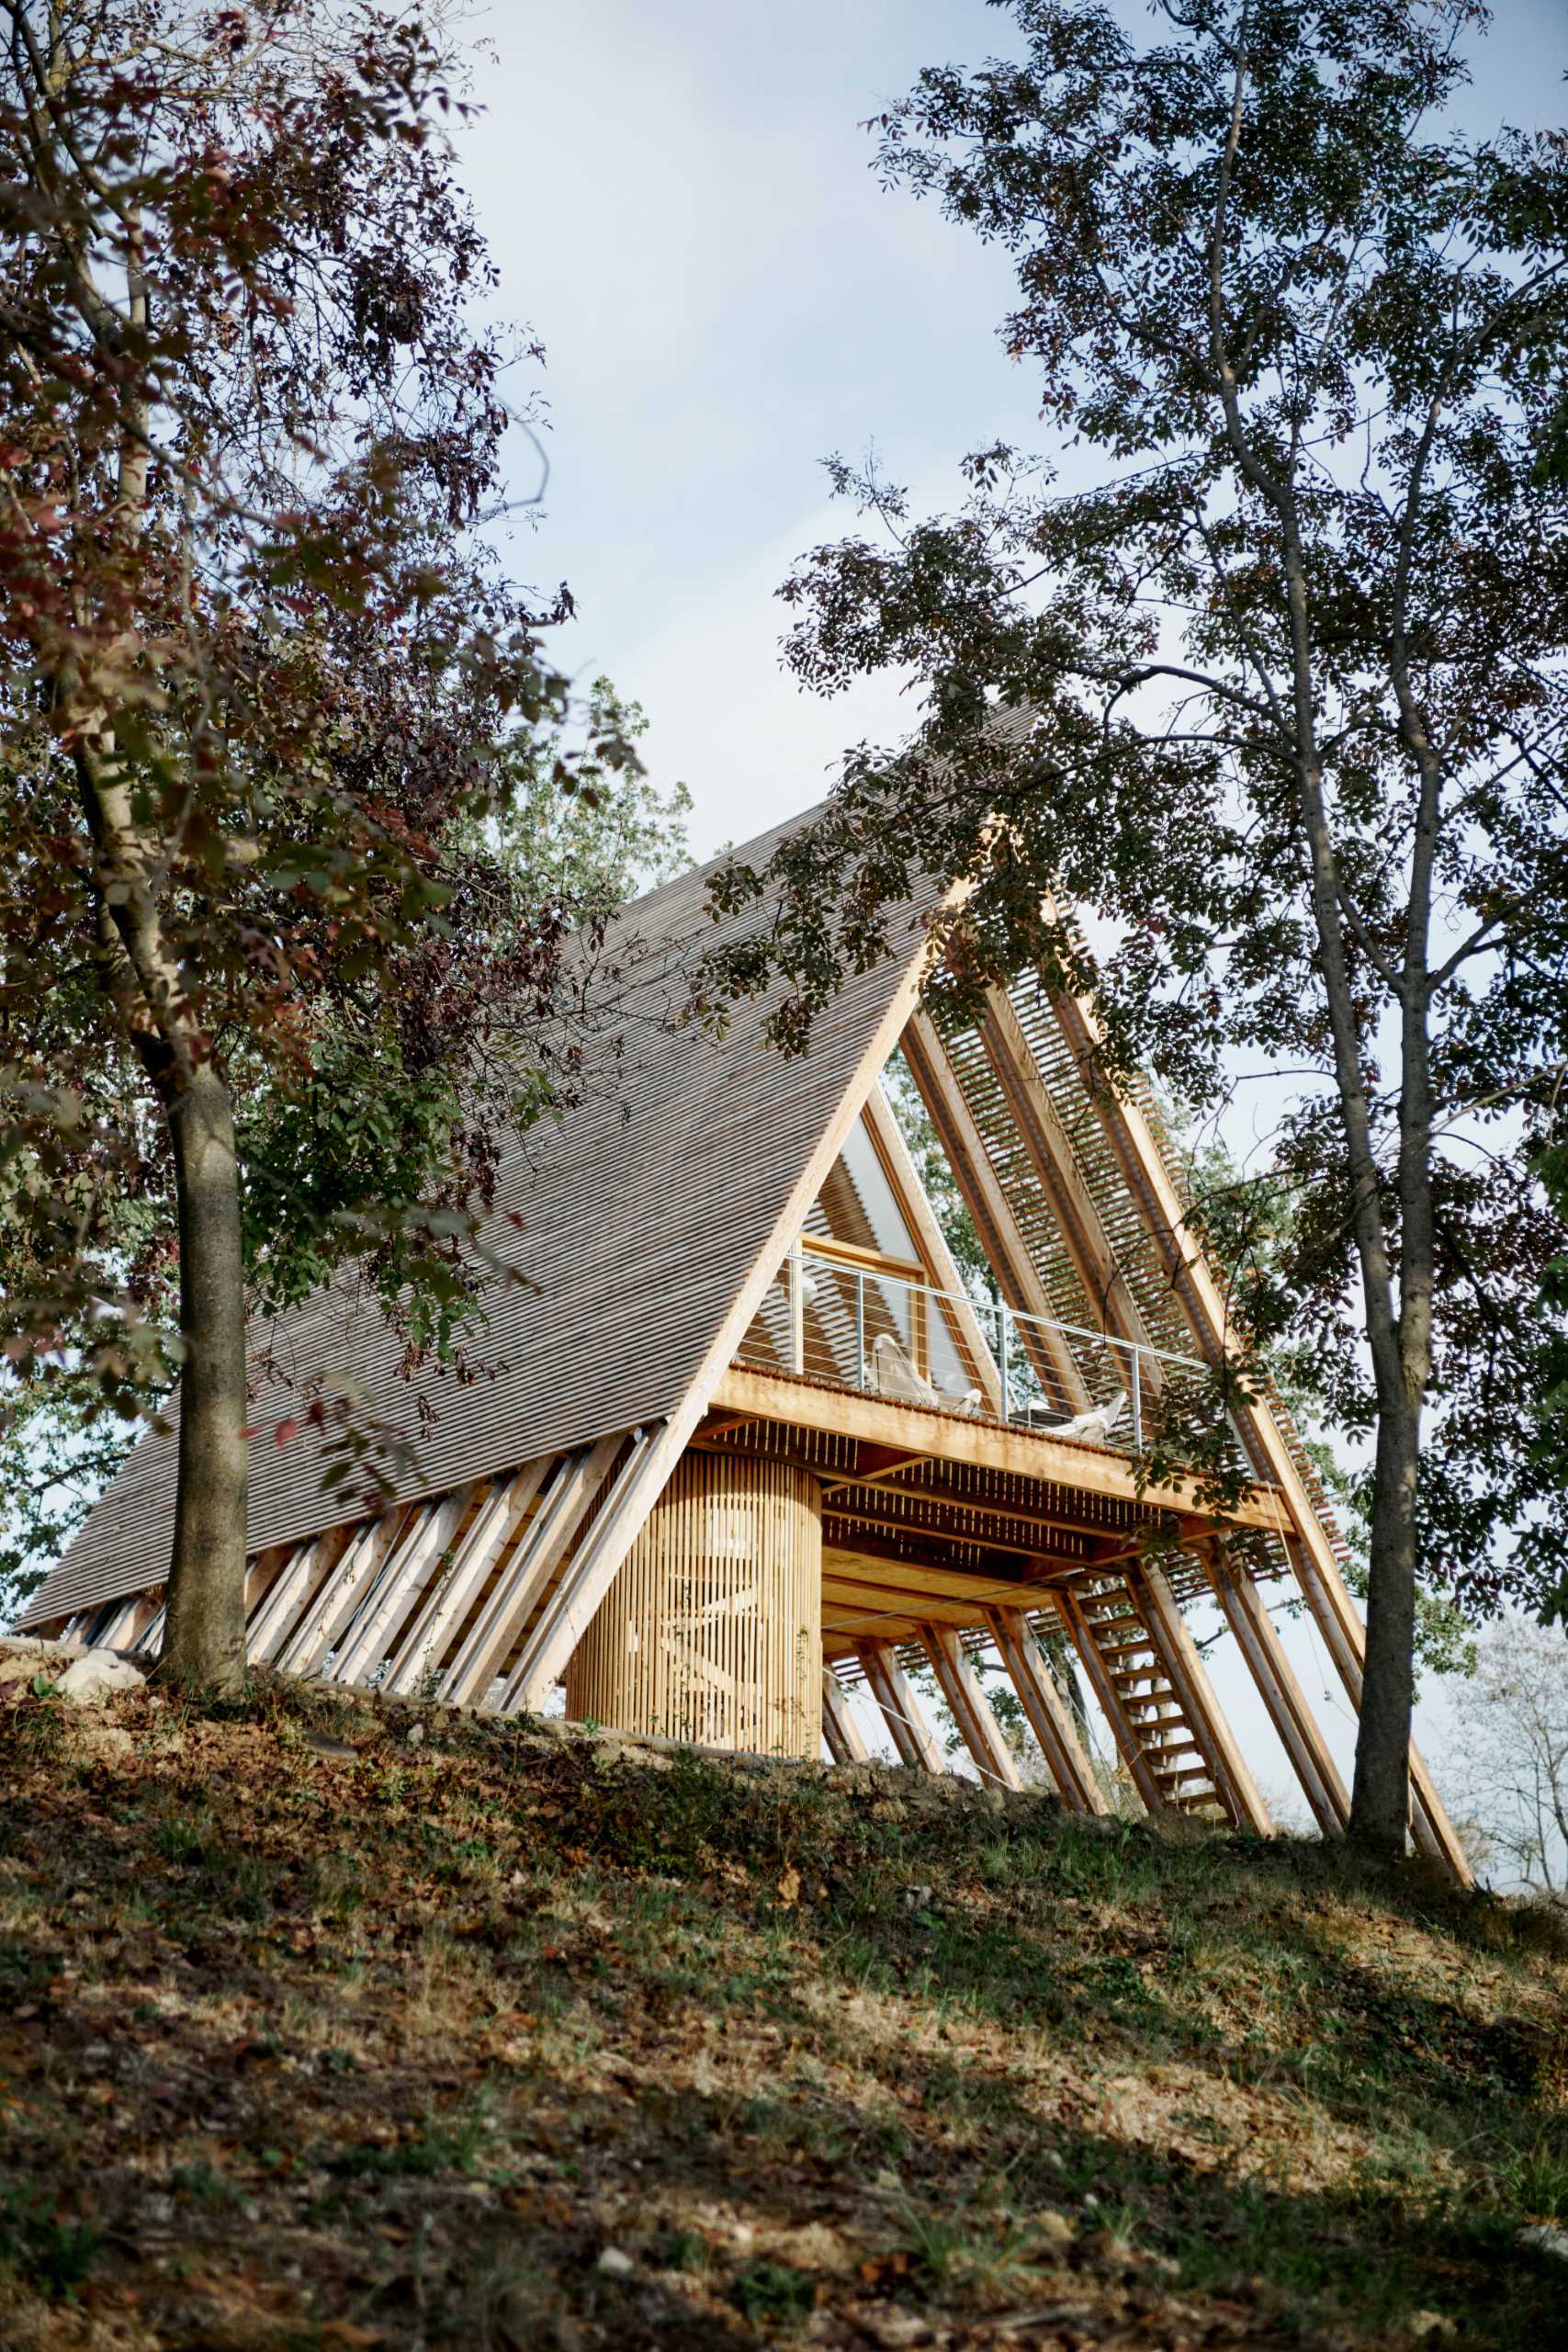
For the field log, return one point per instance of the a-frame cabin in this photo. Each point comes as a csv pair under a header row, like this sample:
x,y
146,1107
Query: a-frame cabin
x,y
749,1439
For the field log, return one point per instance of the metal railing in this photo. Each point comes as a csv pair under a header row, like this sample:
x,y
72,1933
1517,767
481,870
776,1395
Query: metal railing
x,y
859,1327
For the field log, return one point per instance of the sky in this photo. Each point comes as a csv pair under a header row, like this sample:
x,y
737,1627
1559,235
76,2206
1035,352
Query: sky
x,y
680,199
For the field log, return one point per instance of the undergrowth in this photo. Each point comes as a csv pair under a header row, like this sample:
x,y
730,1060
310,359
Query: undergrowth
x,y
509,2038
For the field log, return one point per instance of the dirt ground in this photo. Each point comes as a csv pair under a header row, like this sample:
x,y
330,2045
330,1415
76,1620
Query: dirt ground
x,y
325,2023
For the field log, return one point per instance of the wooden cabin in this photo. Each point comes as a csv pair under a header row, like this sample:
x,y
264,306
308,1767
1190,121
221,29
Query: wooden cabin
x,y
747,1438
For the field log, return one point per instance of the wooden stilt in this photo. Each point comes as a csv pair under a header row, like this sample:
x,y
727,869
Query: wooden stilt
x,y
565,1503
1123,1729
446,1604
1049,1719
1277,1687
305,1572
840,1728
1150,1589
907,1727
343,1593
407,1569
970,1708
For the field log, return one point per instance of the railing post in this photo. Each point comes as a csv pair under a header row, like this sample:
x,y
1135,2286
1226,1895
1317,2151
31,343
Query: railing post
x,y
796,1311
1002,1355
1137,1387
860,1327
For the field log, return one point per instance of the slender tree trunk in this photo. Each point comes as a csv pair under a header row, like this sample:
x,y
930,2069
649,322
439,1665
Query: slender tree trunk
x,y
1379,1799
204,1630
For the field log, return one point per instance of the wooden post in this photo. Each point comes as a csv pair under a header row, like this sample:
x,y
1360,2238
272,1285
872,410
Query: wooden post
x,y
1280,1692
907,1727
344,1591
576,1482
1122,1728
406,1571
1157,1604
425,1643
1049,1720
972,1711
840,1728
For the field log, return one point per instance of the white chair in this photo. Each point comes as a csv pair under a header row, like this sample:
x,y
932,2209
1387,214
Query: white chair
x,y
1093,1427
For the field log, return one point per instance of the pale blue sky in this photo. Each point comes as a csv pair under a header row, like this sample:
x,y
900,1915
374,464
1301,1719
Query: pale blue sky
x,y
679,197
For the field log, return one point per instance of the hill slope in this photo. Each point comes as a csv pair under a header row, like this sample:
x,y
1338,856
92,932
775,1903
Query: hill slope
x,y
330,2024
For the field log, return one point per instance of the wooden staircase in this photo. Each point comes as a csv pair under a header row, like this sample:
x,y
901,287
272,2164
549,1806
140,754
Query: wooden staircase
x,y
1159,1745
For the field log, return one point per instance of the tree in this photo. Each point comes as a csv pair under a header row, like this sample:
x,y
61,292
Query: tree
x,y
1273,683
265,681
1512,1738
315,1153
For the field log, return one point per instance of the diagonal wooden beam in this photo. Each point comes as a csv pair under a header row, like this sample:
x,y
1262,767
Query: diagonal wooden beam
x,y
840,1728
941,1271
1281,1694
575,1488
907,1727
1061,1180
970,1708
404,1573
334,1606
1006,1250
1049,1719
445,1605
1150,1591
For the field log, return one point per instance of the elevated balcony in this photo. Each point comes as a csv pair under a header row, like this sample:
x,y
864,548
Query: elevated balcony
x,y
851,1319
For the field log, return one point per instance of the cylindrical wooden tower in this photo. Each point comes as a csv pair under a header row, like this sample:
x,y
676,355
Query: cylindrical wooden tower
x,y
712,1632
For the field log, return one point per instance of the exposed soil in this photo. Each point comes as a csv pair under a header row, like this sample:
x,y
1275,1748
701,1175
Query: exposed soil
x,y
314,2036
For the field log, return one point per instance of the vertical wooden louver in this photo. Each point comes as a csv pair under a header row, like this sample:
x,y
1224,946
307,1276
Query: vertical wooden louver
x,y
712,1631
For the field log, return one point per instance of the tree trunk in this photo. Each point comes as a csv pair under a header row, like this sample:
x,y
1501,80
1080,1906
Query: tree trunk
x,y
1379,1800
204,1630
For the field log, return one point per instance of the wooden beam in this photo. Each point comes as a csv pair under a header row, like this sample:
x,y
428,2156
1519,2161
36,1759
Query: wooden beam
x,y
1277,1687
907,1727
970,1708
1049,1719
952,1436
308,1567
840,1728
893,1460
1124,1730
1060,1179
335,1604
888,1570
407,1569
576,1484
1198,1294
1007,1251
440,1619
1152,1596
881,1524
975,1349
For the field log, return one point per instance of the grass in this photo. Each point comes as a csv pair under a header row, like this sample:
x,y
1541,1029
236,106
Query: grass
x,y
302,2050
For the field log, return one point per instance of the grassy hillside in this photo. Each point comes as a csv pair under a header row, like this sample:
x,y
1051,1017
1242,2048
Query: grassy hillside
x,y
325,2024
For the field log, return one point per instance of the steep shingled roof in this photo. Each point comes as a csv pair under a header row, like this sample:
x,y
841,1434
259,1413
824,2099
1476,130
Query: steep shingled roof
x,y
643,1208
